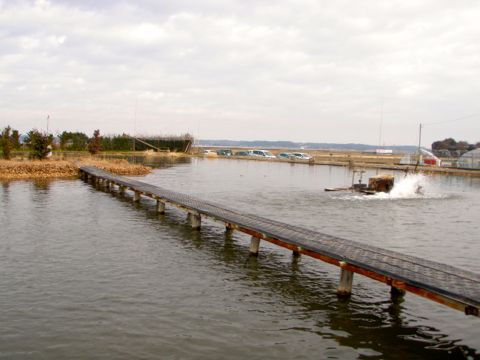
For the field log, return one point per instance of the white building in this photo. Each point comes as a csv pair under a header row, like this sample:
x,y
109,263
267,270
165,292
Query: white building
x,y
470,160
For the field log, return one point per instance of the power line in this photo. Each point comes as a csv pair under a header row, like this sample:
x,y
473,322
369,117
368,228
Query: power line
x,y
450,121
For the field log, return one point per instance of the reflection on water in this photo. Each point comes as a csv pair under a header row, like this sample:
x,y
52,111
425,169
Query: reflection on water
x,y
155,160
89,274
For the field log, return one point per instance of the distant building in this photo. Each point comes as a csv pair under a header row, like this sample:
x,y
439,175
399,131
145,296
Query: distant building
x,y
470,160
384,151
424,157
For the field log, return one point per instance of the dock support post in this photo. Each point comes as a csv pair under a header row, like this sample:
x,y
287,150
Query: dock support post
x,y
160,207
254,246
121,189
136,196
194,219
396,293
346,281
228,228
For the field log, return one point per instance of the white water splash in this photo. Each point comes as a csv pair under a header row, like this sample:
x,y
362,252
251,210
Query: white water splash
x,y
412,186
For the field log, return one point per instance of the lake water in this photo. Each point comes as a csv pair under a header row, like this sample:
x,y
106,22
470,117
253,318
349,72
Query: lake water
x,y
88,274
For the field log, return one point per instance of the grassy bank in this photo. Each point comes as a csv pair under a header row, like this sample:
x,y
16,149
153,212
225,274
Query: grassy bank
x,y
33,169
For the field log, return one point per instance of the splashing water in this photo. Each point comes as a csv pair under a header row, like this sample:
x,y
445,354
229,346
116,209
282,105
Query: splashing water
x,y
412,186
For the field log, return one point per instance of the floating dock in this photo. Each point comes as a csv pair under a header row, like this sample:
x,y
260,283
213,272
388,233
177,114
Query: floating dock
x,y
456,288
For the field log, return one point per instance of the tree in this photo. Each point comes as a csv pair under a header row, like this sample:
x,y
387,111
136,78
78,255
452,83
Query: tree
x,y
462,145
95,144
6,142
76,141
39,143
447,144
15,139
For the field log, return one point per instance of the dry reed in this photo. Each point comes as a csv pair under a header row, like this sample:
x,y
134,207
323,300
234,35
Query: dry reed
x,y
117,166
36,169
32,169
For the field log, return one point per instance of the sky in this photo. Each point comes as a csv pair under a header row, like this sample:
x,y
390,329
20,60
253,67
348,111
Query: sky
x,y
301,70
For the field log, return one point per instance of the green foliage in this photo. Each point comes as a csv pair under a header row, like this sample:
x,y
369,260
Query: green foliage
x,y
39,143
452,145
7,143
95,144
117,143
75,141
126,143
16,139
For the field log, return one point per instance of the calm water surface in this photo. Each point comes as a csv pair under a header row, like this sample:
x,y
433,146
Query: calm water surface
x,y
87,274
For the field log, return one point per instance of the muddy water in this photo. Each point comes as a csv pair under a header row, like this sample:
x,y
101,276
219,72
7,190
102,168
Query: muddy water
x,y
87,274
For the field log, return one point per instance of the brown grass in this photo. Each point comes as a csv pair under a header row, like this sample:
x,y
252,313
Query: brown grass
x,y
117,166
34,169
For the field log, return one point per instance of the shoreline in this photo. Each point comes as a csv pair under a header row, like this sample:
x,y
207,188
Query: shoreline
x,y
66,164
53,168
355,160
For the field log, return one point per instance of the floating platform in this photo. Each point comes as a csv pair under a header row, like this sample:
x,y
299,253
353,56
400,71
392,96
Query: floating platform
x,y
376,184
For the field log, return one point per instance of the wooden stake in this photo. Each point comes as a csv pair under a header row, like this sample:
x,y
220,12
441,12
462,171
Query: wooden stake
x,y
254,246
136,196
194,219
160,207
346,281
396,293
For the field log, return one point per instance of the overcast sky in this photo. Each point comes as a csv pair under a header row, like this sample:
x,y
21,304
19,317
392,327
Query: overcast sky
x,y
300,70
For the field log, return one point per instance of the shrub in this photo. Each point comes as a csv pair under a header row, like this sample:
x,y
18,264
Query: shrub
x,y
95,144
7,143
39,143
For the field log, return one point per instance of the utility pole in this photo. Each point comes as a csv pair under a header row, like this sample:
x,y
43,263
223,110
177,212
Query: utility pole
x,y
419,159
381,125
48,122
135,123
419,137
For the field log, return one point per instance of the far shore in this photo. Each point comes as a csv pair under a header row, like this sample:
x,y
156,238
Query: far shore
x,y
66,164
351,159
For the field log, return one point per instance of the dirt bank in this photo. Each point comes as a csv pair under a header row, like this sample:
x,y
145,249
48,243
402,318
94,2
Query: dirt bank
x,y
34,169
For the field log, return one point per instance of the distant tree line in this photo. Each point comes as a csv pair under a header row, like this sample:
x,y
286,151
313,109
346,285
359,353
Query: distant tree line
x,y
451,147
124,142
40,144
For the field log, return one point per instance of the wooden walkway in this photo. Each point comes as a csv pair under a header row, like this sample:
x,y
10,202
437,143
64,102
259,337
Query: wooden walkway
x,y
442,283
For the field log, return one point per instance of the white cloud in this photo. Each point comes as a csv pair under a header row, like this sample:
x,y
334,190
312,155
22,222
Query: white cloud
x,y
300,70
412,89
146,33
